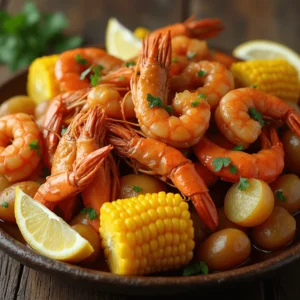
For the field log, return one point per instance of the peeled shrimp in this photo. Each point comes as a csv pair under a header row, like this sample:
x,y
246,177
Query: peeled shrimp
x,y
20,146
233,119
152,84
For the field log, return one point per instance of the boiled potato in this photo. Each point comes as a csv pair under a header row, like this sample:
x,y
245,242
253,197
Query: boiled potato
x,y
276,232
291,145
249,207
80,219
17,104
224,249
134,184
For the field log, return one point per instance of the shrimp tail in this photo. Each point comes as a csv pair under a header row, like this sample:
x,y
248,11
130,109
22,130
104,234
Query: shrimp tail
x,y
293,121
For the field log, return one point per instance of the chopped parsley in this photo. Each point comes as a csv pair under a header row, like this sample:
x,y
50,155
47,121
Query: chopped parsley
x,y
195,103
243,184
157,102
220,162
4,204
191,55
202,95
174,59
91,213
233,169
201,73
195,269
94,78
279,195
80,60
256,115
122,78
63,130
238,148
85,73
137,189
34,145
130,63
254,86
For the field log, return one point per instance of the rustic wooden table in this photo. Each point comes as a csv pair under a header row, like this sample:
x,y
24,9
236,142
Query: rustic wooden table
x,y
276,20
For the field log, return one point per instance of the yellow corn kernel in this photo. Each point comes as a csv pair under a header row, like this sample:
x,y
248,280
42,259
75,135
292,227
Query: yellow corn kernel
x,y
158,239
141,32
277,77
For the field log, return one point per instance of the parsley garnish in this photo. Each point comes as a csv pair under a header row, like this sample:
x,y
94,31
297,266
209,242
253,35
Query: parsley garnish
x,y
4,204
130,63
80,60
195,269
202,95
254,86
220,162
238,148
94,77
174,59
256,115
195,103
279,195
233,169
91,213
191,55
85,73
201,73
63,130
157,102
34,145
122,77
243,184
137,189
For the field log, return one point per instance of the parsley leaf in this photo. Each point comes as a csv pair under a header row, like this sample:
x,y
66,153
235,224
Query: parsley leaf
x,y
233,169
238,148
122,77
202,95
195,103
80,60
191,55
174,59
63,130
91,213
254,86
220,162
195,269
169,109
137,189
157,102
243,184
4,204
256,115
34,145
94,79
85,73
201,73
130,63
279,195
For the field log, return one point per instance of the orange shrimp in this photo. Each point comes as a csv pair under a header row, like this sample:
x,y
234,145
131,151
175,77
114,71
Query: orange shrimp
x,y
233,119
266,165
168,162
149,95
200,29
20,146
72,63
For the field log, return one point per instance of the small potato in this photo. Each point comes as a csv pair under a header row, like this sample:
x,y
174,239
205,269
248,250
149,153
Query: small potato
x,y
250,207
276,232
291,145
224,222
135,184
40,109
80,219
17,104
286,189
7,198
209,178
224,249
93,237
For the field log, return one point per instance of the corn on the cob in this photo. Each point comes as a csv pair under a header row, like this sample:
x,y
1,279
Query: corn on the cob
x,y
41,82
276,77
147,234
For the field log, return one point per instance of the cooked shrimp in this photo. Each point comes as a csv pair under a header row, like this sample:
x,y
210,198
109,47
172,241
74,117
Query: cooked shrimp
x,y
233,119
168,162
200,29
72,63
20,146
266,165
149,95
210,78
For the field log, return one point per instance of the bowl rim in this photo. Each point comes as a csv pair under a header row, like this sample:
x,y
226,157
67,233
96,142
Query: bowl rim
x,y
107,281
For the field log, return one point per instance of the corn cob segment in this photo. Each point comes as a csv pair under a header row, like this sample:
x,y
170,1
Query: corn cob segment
x,y
276,77
147,234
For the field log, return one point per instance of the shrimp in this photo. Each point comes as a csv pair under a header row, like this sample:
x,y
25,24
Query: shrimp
x,y
149,95
233,119
266,165
210,78
200,29
20,146
169,163
72,63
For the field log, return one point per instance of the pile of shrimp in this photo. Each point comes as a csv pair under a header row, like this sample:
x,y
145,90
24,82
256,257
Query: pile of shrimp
x,y
158,113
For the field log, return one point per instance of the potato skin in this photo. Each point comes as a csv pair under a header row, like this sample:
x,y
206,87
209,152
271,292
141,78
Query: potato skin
x,y
291,145
17,104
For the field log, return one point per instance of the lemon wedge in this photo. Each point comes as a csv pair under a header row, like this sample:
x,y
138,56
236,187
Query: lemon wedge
x,y
264,49
47,233
120,41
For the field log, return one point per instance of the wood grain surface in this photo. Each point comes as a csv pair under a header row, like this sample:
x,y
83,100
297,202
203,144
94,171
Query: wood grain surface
x,y
276,20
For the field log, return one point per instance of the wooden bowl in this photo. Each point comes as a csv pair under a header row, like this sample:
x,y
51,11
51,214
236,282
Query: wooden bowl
x,y
146,285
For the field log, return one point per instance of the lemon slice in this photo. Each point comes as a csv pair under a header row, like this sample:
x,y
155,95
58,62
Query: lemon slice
x,y
264,49
120,41
48,234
